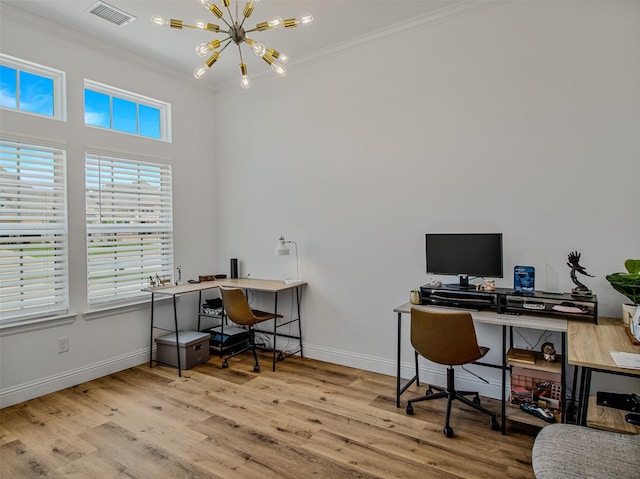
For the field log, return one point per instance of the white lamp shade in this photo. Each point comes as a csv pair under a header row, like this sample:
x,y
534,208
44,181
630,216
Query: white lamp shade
x,y
282,248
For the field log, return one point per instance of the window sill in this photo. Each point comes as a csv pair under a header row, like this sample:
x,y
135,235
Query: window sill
x,y
29,325
103,312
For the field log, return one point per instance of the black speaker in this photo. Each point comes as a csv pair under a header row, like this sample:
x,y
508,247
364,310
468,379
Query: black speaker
x,y
234,267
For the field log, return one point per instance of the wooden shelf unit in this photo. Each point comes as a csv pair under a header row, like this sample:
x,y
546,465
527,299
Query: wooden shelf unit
x,y
513,412
608,418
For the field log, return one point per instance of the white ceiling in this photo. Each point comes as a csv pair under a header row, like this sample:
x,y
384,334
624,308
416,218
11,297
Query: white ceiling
x,y
335,22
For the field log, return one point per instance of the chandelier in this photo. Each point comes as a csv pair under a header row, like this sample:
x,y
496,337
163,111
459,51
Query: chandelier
x,y
236,34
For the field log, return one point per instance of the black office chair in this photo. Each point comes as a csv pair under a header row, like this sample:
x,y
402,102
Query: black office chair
x,y
237,309
447,338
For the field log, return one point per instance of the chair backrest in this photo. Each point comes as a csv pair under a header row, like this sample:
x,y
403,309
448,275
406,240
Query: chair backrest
x,y
445,338
236,306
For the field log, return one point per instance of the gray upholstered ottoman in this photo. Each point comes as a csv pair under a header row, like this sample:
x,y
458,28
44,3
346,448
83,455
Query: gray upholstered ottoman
x,y
565,451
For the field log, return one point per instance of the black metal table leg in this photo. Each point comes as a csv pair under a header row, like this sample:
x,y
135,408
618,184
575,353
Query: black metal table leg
x,y
175,320
275,327
151,334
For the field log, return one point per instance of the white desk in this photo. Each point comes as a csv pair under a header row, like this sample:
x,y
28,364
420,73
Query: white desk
x,y
488,317
262,285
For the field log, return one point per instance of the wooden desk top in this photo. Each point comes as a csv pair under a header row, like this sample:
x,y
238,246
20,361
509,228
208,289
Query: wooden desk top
x,y
492,317
268,285
590,344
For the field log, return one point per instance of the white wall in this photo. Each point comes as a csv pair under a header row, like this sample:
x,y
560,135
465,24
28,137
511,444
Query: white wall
x,y
521,119
100,344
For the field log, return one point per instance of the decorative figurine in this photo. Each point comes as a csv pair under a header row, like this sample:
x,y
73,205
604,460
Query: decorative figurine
x,y
549,352
179,280
580,289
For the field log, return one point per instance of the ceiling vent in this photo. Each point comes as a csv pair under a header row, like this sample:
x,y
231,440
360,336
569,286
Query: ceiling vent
x,y
111,14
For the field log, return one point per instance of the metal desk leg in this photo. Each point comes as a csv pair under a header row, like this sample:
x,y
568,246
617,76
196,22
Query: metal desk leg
x,y
151,334
275,328
504,379
298,293
175,320
398,392
585,388
563,380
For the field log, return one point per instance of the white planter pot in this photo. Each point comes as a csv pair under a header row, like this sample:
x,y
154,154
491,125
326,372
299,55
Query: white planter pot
x,y
628,310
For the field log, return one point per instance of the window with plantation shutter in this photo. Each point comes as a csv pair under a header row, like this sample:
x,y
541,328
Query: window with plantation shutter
x,y
33,231
129,226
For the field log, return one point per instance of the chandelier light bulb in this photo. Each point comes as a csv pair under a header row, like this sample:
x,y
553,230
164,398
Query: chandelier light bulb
x,y
280,70
244,79
200,72
202,49
160,21
275,22
305,19
259,49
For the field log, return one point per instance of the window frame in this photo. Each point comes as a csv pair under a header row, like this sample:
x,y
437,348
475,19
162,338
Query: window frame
x,y
53,223
163,107
58,77
99,232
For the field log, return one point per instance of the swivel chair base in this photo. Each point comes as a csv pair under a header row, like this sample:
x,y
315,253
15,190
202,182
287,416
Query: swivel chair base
x,y
452,394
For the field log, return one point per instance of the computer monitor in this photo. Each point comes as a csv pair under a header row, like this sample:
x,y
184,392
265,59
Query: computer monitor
x,y
464,254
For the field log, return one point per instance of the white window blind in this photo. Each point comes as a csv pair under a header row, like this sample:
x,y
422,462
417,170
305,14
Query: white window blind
x,y
33,231
129,226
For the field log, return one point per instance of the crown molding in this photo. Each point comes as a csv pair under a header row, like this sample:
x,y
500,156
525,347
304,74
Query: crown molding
x,y
449,13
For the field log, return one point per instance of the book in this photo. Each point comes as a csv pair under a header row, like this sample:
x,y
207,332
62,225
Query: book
x,y
524,279
521,356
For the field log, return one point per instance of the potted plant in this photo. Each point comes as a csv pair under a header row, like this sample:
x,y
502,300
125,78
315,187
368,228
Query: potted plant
x,y
628,284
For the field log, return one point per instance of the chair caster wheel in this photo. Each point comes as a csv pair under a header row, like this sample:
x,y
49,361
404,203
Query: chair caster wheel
x,y
409,409
225,365
448,431
280,357
476,400
256,369
495,425
429,392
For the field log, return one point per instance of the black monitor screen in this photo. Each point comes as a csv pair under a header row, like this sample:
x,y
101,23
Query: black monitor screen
x,y
465,254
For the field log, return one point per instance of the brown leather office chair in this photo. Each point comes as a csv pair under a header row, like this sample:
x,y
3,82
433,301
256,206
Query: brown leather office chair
x,y
237,309
450,339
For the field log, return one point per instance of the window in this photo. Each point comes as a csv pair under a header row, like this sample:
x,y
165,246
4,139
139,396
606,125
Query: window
x,y
33,231
129,226
32,88
115,109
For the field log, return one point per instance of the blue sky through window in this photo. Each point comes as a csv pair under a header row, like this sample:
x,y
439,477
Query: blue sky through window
x,y
36,94
26,91
8,82
106,111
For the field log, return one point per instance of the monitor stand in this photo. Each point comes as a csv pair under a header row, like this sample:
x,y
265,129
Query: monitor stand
x,y
463,285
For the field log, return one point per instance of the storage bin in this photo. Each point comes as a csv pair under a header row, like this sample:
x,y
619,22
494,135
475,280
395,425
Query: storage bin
x,y
193,349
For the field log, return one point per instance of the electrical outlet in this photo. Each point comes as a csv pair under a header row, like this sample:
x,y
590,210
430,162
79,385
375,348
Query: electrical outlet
x,y
63,344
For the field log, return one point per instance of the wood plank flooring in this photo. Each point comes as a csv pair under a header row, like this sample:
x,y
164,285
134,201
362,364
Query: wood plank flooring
x,y
308,419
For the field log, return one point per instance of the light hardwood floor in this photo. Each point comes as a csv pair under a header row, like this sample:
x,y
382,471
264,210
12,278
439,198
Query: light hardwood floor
x,y
308,419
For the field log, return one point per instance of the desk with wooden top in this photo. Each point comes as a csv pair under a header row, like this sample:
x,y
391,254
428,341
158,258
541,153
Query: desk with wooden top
x,y
590,346
257,285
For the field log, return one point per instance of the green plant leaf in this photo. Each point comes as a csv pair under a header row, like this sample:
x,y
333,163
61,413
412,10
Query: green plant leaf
x,y
633,266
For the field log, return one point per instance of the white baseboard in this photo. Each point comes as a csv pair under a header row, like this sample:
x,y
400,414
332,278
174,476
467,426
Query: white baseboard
x,y
25,391
430,373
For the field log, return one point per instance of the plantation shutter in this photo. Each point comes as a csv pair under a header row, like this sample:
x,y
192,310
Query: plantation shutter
x,y
129,226
33,231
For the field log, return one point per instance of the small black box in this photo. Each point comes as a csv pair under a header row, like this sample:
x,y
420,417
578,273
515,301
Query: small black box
x,y
227,337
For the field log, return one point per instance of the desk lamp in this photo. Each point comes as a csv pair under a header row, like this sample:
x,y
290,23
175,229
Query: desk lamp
x,y
281,250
